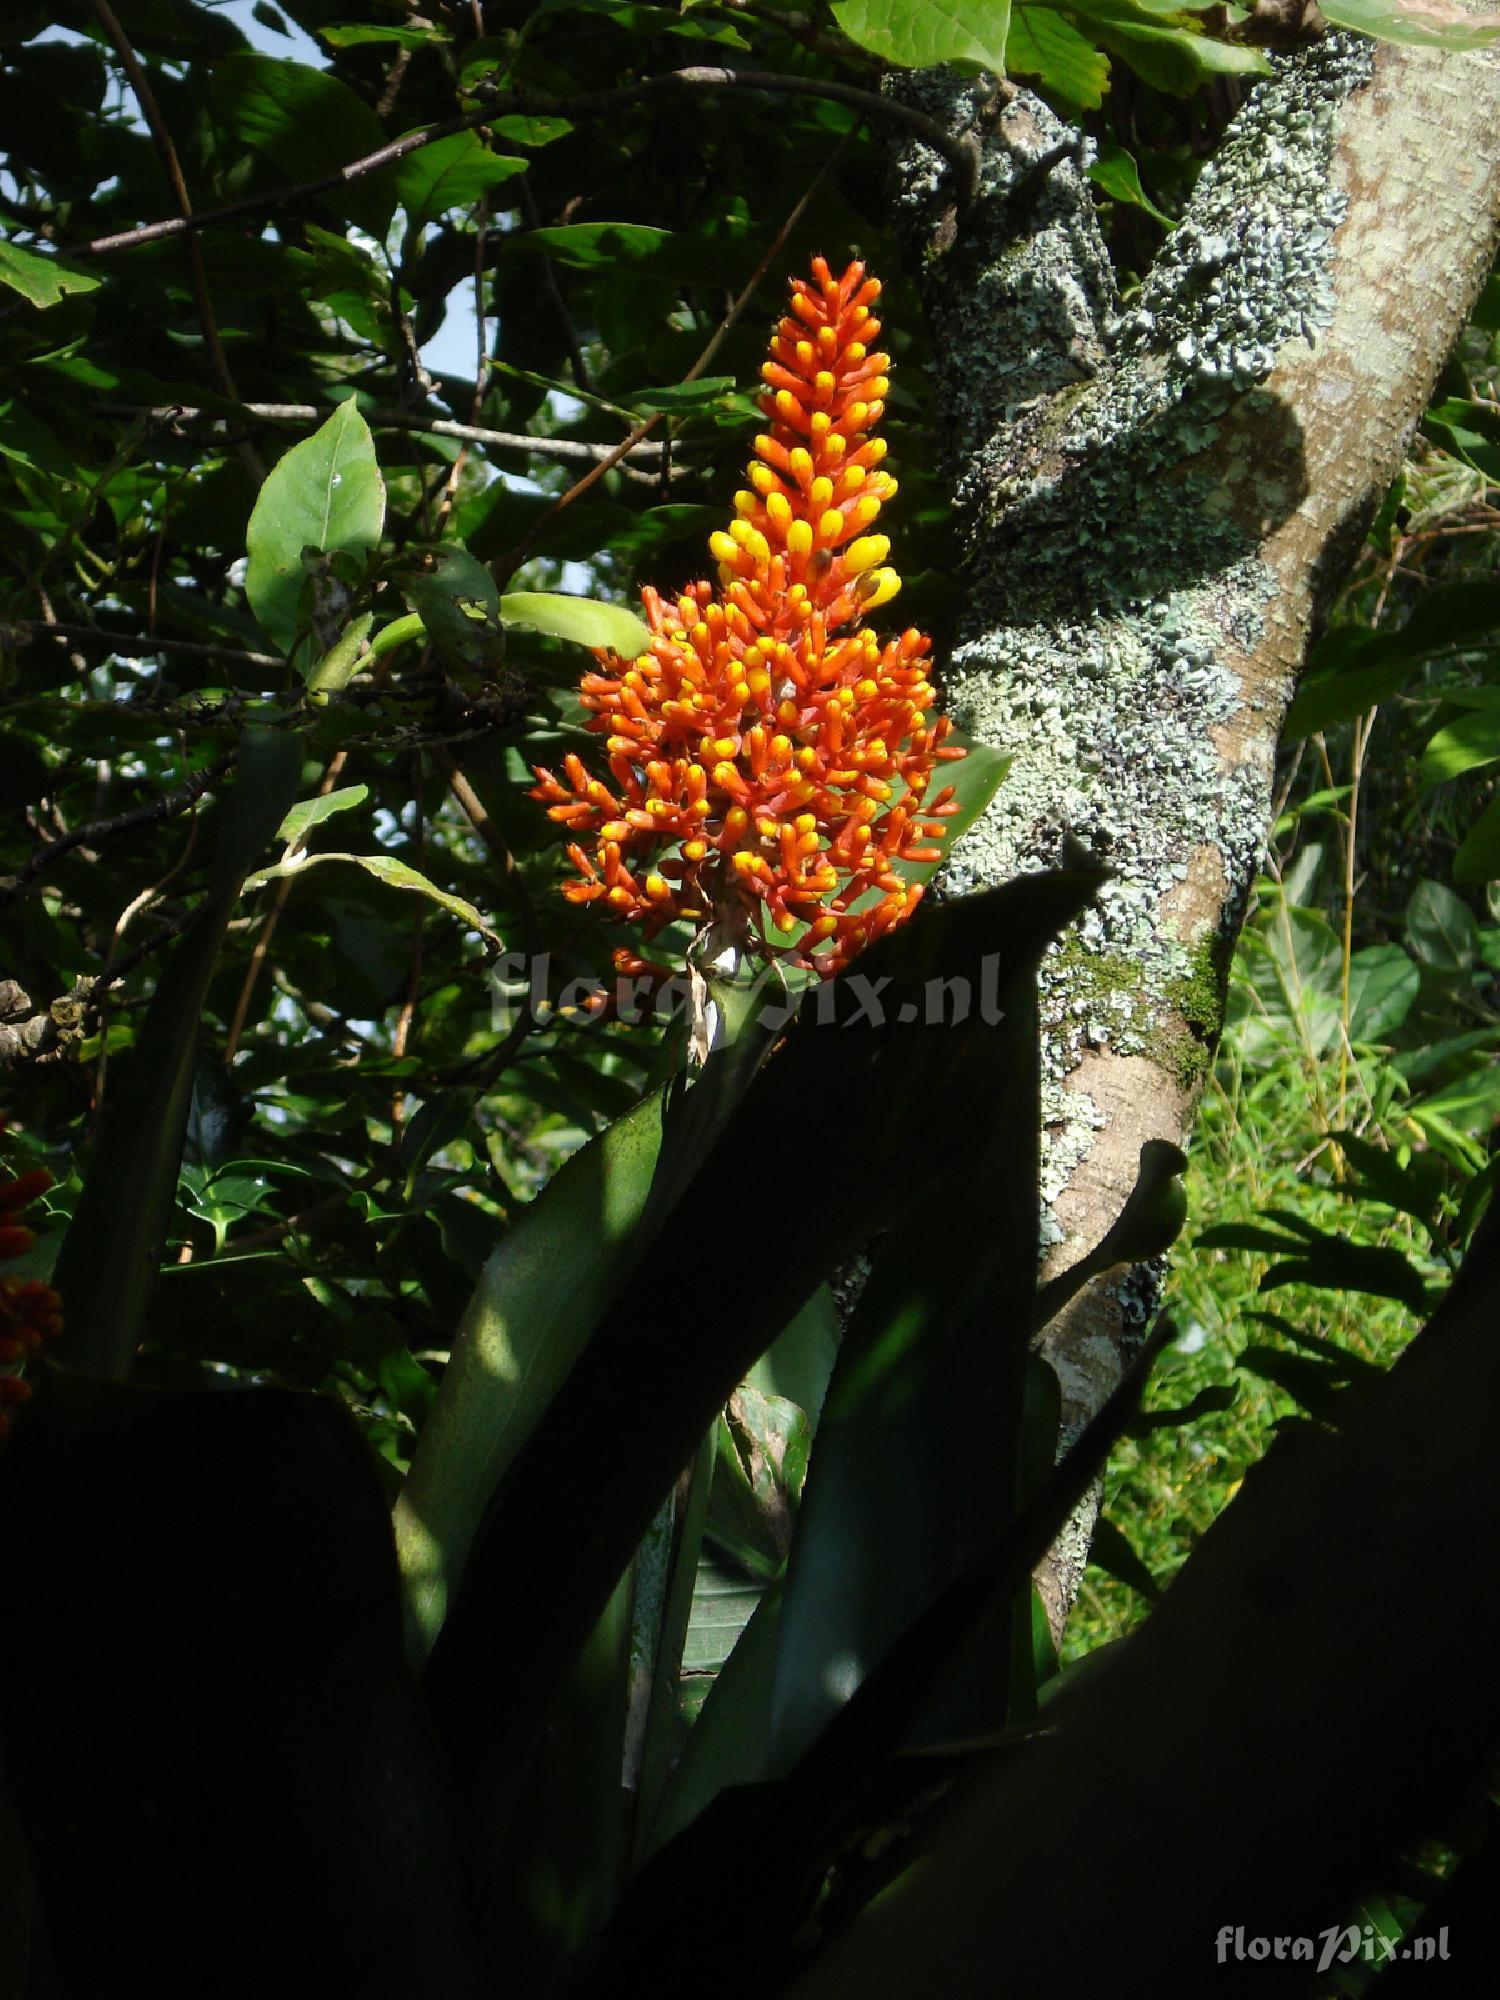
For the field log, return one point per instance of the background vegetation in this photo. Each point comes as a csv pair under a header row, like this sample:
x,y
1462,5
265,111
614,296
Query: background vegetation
x,y
335,1118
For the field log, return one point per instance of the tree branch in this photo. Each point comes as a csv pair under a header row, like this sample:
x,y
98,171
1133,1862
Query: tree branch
x,y
576,449
1226,441
961,151
168,806
131,643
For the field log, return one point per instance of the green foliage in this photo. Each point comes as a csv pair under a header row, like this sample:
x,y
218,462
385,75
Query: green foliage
x,y
702,1399
324,497
959,31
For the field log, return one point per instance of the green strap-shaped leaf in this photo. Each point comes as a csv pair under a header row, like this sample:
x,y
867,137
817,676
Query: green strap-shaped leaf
x,y
1418,23
917,1462
541,1296
107,1267
865,1066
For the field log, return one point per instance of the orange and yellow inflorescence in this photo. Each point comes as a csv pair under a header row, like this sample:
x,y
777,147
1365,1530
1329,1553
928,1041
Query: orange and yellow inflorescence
x,y
770,756
30,1312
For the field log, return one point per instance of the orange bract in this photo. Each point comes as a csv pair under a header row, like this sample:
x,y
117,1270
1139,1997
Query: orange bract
x,y
768,752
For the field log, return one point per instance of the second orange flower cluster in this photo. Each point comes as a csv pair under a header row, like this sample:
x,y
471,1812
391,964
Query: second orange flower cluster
x,y
770,756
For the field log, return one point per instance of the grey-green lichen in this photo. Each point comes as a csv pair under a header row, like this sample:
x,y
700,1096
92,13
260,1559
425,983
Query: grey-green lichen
x,y
1114,585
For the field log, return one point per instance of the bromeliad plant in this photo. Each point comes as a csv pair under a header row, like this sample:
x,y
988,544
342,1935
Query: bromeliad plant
x,y
267,1745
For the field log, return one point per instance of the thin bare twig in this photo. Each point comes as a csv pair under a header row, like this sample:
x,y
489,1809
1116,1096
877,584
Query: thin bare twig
x,y
962,154
398,420
131,643
168,806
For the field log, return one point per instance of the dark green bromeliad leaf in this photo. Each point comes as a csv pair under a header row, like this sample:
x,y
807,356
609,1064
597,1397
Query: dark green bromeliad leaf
x,y
306,124
202,1611
863,1043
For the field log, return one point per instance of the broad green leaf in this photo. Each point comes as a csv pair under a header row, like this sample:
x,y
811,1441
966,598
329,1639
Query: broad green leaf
x,y
1471,431
395,874
1478,857
1441,930
325,494
300,821
1455,616
582,621
637,248
203,1609
1383,984
355,34
1174,59
1042,44
450,173
456,599
27,440
918,34
1116,172
307,124
1286,990
1466,745
42,280
1472,1103
1367,672
1416,1189
1352,669
108,1264
686,397
1419,23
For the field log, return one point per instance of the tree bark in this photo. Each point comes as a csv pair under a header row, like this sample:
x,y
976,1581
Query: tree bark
x,y
1159,504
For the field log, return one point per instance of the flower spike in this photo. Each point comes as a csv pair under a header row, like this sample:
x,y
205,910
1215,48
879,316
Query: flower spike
x,y
770,757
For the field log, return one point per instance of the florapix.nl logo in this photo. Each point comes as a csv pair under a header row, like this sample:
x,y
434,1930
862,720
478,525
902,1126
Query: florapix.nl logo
x,y
525,986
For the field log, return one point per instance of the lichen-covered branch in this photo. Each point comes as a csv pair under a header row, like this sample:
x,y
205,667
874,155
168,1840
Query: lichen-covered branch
x,y
1159,503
